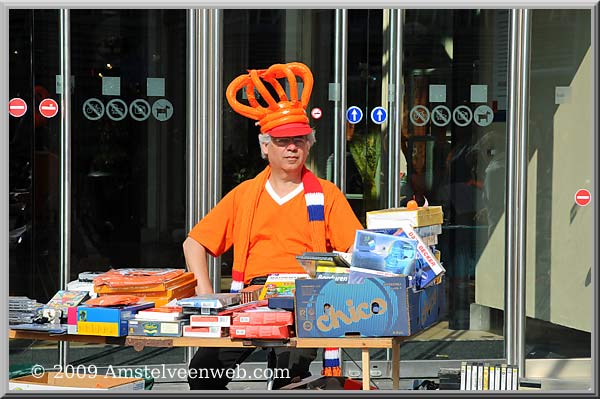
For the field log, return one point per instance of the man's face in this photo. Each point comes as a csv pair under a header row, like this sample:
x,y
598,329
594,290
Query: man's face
x,y
287,153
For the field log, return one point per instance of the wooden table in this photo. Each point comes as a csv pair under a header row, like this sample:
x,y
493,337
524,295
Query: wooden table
x,y
139,342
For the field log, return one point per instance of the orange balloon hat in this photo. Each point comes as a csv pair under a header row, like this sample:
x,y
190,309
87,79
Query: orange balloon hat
x,y
284,111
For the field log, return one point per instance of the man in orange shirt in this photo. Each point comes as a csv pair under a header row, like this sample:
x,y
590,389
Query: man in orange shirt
x,y
284,211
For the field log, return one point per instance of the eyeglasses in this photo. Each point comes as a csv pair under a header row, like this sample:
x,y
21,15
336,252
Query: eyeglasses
x,y
285,141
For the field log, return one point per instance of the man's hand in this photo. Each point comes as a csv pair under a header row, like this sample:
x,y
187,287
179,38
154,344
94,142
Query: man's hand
x,y
195,258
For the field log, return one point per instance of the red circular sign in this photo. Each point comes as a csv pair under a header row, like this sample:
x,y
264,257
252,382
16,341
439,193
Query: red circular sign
x,y
17,107
583,197
316,113
48,107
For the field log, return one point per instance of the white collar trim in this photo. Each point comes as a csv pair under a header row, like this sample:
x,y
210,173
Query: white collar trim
x,y
287,197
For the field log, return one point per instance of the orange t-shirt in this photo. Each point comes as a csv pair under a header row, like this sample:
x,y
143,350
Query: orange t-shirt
x,y
278,232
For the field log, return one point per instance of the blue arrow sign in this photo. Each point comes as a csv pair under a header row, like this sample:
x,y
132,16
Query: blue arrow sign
x,y
354,114
378,115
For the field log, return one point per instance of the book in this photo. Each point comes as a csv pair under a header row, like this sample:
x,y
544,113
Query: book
x,y
64,299
468,372
210,321
515,378
509,375
474,371
136,277
205,332
497,378
281,284
243,306
211,301
162,313
310,261
492,376
333,257
503,377
47,327
486,377
480,376
174,283
463,375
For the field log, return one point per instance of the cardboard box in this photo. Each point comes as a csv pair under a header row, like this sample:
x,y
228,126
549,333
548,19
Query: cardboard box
x,y
260,332
281,284
154,328
107,321
211,301
336,273
106,314
210,321
357,275
378,307
182,280
417,218
205,332
263,317
72,320
103,329
61,381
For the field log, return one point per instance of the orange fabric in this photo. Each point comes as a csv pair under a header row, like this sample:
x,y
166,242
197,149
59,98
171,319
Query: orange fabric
x,y
285,229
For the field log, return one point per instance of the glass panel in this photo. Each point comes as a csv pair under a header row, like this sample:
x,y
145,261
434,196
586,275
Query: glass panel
x,y
256,39
364,140
561,144
33,171
128,140
453,139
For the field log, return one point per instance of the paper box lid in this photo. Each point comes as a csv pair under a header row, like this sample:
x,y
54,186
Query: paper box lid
x,y
386,218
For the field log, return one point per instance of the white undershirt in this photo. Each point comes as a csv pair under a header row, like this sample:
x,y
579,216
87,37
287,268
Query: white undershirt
x,y
285,198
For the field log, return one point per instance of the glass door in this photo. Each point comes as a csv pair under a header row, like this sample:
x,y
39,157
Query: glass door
x,y
454,123
128,124
560,215
256,39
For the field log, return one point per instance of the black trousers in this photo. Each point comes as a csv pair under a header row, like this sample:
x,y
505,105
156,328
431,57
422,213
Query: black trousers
x,y
214,363
208,368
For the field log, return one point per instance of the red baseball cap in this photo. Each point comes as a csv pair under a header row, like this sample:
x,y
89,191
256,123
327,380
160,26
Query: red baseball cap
x,y
290,130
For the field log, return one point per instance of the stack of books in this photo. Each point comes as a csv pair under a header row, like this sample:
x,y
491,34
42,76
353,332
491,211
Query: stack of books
x,y
162,321
160,286
481,376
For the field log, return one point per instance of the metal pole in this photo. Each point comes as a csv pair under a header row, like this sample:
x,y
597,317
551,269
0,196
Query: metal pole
x,y
65,163
203,111
395,107
340,82
193,144
516,189
192,150
215,126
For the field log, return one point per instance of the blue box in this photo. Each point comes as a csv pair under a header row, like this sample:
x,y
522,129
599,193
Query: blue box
x,y
385,252
110,314
399,251
378,307
281,302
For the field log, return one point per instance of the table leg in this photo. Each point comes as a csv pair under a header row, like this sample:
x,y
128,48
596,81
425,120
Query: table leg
x,y
396,364
366,369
